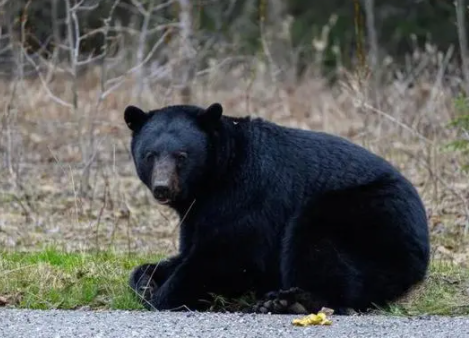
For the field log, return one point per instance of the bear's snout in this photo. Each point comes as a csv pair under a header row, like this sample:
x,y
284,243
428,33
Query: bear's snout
x,y
164,182
161,192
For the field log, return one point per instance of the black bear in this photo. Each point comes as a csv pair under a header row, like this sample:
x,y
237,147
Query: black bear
x,y
274,211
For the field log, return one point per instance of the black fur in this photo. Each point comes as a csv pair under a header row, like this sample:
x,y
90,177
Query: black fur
x,y
274,208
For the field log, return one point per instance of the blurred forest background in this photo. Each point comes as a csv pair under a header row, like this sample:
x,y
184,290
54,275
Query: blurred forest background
x,y
335,33
390,75
297,30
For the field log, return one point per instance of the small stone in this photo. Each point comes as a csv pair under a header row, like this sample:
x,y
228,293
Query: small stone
x,y
283,302
84,308
3,301
278,308
297,308
327,311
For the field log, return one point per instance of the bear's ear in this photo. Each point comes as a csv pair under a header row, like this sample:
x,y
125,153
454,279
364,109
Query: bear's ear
x,y
211,115
135,117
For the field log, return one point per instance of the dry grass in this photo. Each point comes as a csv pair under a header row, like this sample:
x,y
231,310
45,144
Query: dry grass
x,y
49,151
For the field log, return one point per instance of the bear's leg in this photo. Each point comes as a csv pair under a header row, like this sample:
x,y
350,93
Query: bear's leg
x,y
316,273
319,273
147,278
355,249
317,269
202,274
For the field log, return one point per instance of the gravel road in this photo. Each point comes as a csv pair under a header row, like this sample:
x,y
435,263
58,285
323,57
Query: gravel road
x,y
45,324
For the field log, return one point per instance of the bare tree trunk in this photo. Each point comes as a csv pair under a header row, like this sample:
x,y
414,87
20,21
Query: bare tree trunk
x,y
461,21
73,46
56,40
373,53
142,43
186,49
372,34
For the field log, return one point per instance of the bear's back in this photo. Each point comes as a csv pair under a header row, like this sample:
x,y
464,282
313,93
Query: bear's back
x,y
312,154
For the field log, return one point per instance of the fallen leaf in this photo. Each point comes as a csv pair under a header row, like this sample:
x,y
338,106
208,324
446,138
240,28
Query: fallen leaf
x,y
315,319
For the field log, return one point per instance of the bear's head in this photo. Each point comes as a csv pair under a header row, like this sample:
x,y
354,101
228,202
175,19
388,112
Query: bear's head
x,y
170,147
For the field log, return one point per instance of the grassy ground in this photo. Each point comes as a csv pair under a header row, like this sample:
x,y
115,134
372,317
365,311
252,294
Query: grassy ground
x,y
53,279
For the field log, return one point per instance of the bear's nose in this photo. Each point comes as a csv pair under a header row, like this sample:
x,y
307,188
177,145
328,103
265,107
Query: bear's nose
x,y
161,192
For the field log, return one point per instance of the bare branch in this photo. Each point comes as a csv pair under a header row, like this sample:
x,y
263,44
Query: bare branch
x,y
44,83
141,9
154,29
76,6
87,8
120,79
163,5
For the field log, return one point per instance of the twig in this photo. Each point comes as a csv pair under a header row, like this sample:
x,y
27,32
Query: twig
x,y
399,123
45,85
120,79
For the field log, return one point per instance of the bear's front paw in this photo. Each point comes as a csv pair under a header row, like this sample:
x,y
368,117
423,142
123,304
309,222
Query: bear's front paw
x,y
142,281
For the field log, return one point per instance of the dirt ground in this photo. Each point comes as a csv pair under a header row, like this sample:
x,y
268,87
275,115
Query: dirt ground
x,y
67,178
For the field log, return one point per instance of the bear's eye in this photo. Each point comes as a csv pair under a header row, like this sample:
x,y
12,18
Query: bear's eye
x,y
181,156
148,156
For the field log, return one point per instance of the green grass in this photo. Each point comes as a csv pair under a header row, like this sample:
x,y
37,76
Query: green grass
x,y
52,279
445,292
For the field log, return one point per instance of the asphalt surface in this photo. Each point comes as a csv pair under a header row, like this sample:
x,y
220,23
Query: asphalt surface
x,y
45,324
